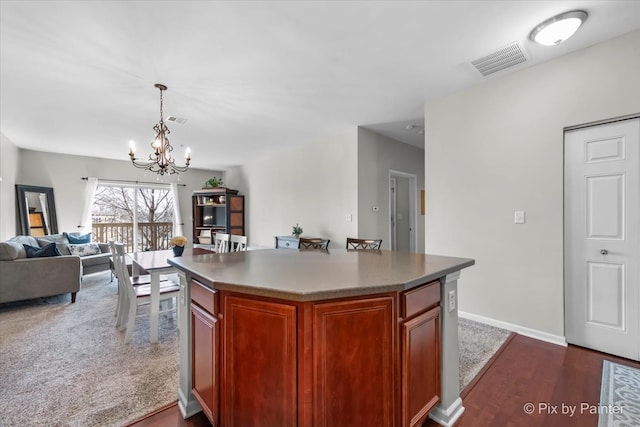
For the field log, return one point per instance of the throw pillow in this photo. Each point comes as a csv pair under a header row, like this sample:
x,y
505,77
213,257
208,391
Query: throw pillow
x,y
77,238
84,249
51,238
63,248
11,250
45,251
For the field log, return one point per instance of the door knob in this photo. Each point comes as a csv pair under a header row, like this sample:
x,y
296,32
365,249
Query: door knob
x,y
604,251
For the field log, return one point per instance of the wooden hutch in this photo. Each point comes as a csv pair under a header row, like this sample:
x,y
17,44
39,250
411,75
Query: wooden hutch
x,y
216,210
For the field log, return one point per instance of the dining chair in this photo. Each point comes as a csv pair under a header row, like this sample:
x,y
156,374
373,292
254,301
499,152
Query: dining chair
x,y
237,243
142,279
313,243
221,242
363,244
137,296
121,303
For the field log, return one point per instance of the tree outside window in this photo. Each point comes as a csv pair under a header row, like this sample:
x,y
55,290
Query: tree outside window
x,y
139,217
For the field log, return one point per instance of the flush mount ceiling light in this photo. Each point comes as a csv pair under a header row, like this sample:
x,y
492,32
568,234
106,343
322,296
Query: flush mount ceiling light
x,y
160,160
555,30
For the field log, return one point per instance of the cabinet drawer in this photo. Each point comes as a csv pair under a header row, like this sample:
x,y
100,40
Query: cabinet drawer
x,y
286,242
420,299
204,297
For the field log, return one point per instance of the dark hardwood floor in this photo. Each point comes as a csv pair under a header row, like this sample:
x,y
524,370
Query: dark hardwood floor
x,y
524,371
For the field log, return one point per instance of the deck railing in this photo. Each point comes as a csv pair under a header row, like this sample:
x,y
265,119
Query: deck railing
x,y
151,235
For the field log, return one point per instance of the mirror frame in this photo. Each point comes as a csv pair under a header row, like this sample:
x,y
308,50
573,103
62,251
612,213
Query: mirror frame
x,y
23,210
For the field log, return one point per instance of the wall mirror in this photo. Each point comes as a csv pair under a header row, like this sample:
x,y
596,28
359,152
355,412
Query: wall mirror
x,y
36,210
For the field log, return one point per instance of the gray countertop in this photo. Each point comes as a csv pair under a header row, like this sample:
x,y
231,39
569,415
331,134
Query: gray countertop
x,y
300,275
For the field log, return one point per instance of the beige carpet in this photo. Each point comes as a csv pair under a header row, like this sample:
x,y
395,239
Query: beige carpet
x,y
64,364
478,342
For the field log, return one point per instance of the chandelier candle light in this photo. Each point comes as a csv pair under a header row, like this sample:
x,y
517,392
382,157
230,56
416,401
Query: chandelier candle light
x,y
160,161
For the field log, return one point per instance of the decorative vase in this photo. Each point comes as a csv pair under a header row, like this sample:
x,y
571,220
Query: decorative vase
x,y
177,250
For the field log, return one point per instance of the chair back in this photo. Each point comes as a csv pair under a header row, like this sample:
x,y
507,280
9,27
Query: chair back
x,y
112,249
363,244
221,242
124,280
238,243
307,243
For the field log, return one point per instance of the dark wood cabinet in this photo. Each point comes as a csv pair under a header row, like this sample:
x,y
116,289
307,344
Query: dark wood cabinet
x,y
420,367
353,359
216,211
205,353
420,353
372,360
260,363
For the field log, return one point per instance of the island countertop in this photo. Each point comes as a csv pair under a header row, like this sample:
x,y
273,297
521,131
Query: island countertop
x,y
311,275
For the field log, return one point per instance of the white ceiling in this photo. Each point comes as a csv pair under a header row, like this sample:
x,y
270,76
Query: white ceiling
x,y
254,77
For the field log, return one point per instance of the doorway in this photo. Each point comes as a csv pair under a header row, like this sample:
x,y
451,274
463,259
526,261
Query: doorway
x,y
402,211
602,237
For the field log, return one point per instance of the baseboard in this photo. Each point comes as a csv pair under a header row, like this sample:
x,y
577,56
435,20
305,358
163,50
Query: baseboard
x,y
528,332
447,417
187,407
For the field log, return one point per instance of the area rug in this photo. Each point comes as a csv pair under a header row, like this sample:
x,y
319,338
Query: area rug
x,y
478,343
619,396
64,364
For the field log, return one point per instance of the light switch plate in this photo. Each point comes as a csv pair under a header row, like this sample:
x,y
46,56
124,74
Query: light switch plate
x,y
519,217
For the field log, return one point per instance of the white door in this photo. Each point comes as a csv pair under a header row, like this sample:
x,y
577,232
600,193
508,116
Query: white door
x,y
402,211
602,237
393,226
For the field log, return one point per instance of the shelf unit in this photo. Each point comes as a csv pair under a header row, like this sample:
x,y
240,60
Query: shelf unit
x,y
216,210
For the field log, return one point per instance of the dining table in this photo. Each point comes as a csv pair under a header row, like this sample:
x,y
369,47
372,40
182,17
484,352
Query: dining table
x,y
155,264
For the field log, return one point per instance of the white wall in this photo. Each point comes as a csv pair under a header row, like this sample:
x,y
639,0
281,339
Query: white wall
x,y
64,173
498,147
8,173
314,185
377,154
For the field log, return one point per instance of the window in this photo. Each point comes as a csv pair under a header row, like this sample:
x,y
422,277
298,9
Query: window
x,y
141,217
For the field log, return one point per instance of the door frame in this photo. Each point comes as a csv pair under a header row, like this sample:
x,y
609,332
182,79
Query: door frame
x,y
564,197
413,207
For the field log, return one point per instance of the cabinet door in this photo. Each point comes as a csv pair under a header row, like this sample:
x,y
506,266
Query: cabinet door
x,y
259,363
353,347
420,366
204,329
236,215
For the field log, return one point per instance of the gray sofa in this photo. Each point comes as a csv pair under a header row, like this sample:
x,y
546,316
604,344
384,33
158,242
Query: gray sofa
x,y
24,278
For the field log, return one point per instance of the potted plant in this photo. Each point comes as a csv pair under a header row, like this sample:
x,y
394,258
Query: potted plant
x,y
214,182
177,244
296,231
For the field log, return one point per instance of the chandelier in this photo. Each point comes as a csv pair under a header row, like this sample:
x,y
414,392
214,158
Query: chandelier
x,y
160,160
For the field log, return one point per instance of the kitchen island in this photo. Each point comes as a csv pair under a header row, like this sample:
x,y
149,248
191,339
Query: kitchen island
x,y
319,338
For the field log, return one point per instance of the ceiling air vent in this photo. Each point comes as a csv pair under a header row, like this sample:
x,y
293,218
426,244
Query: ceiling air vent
x,y
508,56
176,119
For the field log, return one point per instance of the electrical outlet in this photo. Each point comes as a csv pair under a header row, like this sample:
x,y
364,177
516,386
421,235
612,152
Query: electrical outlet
x,y
348,217
452,300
